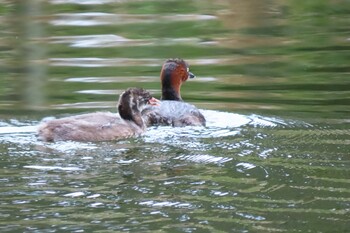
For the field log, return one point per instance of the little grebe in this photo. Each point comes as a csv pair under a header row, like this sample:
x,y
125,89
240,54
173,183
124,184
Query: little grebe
x,y
102,126
172,110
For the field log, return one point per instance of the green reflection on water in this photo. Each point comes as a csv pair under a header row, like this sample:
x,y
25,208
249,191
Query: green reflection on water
x,y
310,53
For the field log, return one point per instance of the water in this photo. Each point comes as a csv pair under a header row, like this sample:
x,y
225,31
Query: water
x,y
272,81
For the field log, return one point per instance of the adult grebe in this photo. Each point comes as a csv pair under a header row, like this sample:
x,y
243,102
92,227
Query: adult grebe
x,y
172,110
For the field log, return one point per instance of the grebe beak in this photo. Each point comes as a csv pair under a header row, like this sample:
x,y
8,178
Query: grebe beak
x,y
154,102
191,75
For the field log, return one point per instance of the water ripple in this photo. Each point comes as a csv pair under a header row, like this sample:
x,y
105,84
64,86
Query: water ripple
x,y
108,40
82,2
75,194
115,80
166,204
102,62
49,168
204,159
99,18
85,105
151,62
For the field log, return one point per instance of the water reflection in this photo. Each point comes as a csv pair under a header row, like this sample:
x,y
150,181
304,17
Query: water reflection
x,y
101,41
187,170
204,159
82,2
100,62
49,168
98,18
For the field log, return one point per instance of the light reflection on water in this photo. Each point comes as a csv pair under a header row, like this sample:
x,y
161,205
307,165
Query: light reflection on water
x,y
100,62
102,41
98,18
151,62
110,79
82,2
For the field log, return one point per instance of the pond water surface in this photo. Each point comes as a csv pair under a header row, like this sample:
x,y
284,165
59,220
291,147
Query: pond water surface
x,y
272,81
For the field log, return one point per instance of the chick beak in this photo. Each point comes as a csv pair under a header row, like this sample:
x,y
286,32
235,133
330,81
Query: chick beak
x,y
154,102
191,75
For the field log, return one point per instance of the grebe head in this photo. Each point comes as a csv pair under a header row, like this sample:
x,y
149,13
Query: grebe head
x,y
132,102
174,72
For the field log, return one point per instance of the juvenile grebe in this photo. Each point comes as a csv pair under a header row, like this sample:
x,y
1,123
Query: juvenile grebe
x,y
102,126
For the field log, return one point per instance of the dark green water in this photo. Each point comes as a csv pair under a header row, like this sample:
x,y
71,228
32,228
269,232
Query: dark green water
x,y
272,80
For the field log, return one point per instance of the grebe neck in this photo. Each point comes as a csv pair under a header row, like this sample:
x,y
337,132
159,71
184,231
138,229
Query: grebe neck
x,y
170,86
